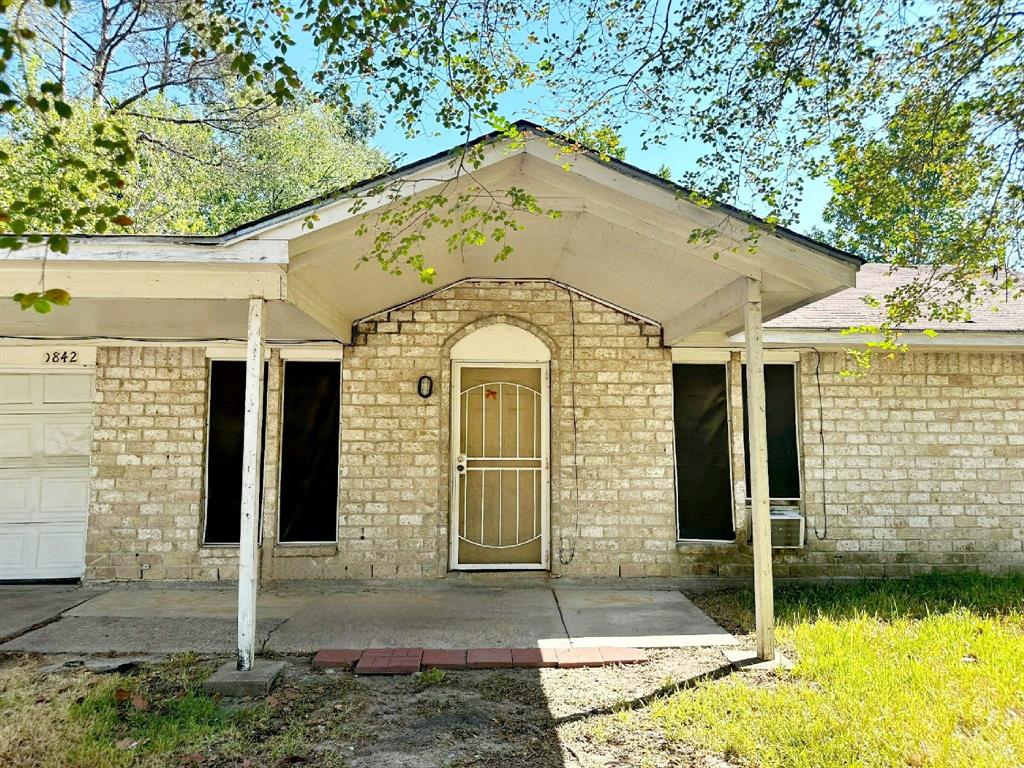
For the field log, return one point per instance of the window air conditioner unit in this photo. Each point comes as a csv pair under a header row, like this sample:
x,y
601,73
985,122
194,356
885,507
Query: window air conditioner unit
x,y
787,527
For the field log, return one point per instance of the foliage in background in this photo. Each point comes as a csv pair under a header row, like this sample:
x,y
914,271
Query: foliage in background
x,y
910,98
189,178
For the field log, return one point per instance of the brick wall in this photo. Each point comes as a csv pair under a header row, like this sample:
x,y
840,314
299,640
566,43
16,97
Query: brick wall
x,y
923,464
395,464
147,464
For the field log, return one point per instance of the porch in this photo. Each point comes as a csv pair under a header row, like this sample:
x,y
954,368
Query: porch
x,y
276,284
303,618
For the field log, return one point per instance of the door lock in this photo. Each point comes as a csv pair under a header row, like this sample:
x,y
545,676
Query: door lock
x,y
460,464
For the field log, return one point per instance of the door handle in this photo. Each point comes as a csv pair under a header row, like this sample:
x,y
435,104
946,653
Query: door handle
x,y
460,464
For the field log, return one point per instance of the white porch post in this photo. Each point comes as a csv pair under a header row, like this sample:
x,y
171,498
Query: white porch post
x,y
760,511
247,544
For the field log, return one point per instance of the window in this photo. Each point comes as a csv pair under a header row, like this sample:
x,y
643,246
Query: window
x,y
226,413
780,412
309,452
703,475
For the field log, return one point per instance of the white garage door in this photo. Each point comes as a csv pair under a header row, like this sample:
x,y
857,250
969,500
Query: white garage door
x,y
45,428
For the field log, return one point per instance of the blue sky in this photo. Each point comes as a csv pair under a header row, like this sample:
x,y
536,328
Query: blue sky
x,y
679,156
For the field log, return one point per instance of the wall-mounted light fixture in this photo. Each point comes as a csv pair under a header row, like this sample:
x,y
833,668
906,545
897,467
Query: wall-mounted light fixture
x,y
425,387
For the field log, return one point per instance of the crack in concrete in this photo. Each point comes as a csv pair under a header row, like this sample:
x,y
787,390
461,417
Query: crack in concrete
x,y
561,616
49,620
273,629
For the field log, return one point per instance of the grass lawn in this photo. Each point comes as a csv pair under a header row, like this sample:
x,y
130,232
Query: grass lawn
x,y
922,672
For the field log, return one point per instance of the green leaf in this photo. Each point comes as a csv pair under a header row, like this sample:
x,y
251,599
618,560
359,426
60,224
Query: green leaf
x,y
58,296
58,244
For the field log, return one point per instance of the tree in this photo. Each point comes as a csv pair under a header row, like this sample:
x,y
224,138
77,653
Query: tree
x,y
913,111
775,93
190,178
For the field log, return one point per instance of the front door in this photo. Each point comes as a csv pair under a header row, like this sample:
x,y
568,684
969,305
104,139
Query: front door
x,y
499,466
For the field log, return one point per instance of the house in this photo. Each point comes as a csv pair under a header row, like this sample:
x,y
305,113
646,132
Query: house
x,y
578,408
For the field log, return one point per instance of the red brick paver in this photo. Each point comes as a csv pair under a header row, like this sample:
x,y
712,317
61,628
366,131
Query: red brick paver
x,y
573,658
489,658
389,661
337,657
534,658
443,659
404,661
622,655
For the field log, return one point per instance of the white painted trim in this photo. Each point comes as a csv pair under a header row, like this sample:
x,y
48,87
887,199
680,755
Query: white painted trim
x,y
700,356
248,561
453,494
943,340
311,353
36,358
776,356
760,508
470,280
502,343
724,302
236,352
722,354
157,249
116,280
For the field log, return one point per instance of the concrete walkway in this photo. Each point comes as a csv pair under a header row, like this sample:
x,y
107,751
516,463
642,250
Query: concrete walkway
x,y
303,620
24,606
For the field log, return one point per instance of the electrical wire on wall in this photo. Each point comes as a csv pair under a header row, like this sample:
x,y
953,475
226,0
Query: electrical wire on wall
x,y
821,437
563,558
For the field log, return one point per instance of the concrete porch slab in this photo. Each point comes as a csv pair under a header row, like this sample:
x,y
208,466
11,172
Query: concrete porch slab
x,y
443,619
636,619
193,602
23,606
170,619
119,635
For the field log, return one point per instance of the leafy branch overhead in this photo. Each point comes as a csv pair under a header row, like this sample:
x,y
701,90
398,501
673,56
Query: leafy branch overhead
x,y
909,115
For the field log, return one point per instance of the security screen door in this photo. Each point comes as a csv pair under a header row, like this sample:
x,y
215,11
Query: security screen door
x,y
499,467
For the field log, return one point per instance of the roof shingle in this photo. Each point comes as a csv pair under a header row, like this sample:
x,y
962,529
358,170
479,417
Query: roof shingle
x,y
847,308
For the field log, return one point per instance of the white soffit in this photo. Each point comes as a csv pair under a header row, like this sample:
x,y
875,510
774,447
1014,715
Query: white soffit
x,y
620,239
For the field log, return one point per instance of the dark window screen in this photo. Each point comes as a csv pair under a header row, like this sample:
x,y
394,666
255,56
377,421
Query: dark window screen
x,y
703,484
224,451
309,452
780,415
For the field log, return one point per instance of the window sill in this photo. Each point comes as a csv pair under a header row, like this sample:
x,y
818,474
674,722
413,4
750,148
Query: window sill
x,y
699,544
305,550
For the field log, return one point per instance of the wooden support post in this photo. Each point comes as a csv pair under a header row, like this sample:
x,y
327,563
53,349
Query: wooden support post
x,y
247,544
760,510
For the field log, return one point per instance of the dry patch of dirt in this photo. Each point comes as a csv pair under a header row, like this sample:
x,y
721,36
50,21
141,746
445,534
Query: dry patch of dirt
x,y
550,718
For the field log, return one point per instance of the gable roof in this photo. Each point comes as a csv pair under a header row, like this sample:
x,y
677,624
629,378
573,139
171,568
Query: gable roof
x,y
305,208
624,236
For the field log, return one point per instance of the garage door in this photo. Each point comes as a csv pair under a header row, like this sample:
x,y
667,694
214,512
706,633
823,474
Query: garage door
x,y
45,428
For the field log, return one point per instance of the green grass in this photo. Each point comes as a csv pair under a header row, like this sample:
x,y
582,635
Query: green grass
x,y
920,672
161,717
885,599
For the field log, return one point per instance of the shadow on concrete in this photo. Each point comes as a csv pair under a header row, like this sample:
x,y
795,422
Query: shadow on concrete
x,y
185,618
